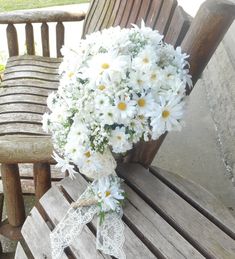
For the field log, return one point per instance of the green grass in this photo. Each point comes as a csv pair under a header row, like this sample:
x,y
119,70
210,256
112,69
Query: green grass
x,y
10,5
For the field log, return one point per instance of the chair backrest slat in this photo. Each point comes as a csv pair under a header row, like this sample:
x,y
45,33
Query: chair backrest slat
x,y
178,27
29,36
135,12
12,40
153,13
165,15
45,40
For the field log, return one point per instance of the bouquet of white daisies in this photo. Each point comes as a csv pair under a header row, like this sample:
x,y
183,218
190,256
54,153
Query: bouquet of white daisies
x,y
118,87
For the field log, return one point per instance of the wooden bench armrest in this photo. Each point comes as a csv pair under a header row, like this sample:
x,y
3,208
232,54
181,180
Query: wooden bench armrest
x,y
40,16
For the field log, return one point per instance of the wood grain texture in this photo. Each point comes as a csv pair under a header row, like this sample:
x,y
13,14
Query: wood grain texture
x,y
153,12
29,83
211,241
108,15
20,117
23,98
1,205
31,74
35,231
23,107
45,40
13,194
21,128
126,13
29,35
34,90
152,228
35,59
25,149
200,198
36,16
32,68
59,38
165,15
144,9
178,27
12,40
42,179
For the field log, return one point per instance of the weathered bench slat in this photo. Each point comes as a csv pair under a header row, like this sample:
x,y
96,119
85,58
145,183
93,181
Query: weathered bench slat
x,y
37,228
21,128
167,10
75,188
20,117
178,27
199,197
135,12
105,23
126,13
30,68
102,16
34,75
15,90
197,229
26,149
34,99
143,11
33,59
153,228
23,107
153,13
120,11
55,205
30,83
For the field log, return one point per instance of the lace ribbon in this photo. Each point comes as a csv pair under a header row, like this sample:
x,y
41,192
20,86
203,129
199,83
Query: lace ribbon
x,y
110,234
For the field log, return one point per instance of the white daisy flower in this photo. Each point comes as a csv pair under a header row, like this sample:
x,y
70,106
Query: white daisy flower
x,y
125,109
109,193
168,115
145,103
119,140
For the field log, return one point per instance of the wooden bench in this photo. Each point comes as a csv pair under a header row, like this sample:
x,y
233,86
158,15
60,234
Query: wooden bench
x,y
165,216
23,141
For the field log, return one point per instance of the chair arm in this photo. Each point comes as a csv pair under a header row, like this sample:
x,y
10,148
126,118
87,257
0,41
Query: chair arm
x,y
40,16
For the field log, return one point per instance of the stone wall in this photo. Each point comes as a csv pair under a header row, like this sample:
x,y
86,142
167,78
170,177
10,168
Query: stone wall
x,y
219,77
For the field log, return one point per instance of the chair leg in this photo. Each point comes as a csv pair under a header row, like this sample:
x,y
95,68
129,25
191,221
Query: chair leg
x,y
13,194
42,179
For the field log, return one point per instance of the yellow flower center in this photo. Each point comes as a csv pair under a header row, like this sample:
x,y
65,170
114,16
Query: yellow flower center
x,y
107,193
146,60
153,77
119,137
101,87
70,74
105,66
122,106
165,114
87,154
141,102
140,82
141,117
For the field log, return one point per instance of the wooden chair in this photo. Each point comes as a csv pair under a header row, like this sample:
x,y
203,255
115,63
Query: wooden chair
x,y
165,215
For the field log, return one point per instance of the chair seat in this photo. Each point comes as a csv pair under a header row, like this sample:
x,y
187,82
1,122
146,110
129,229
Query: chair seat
x,y
27,81
165,216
